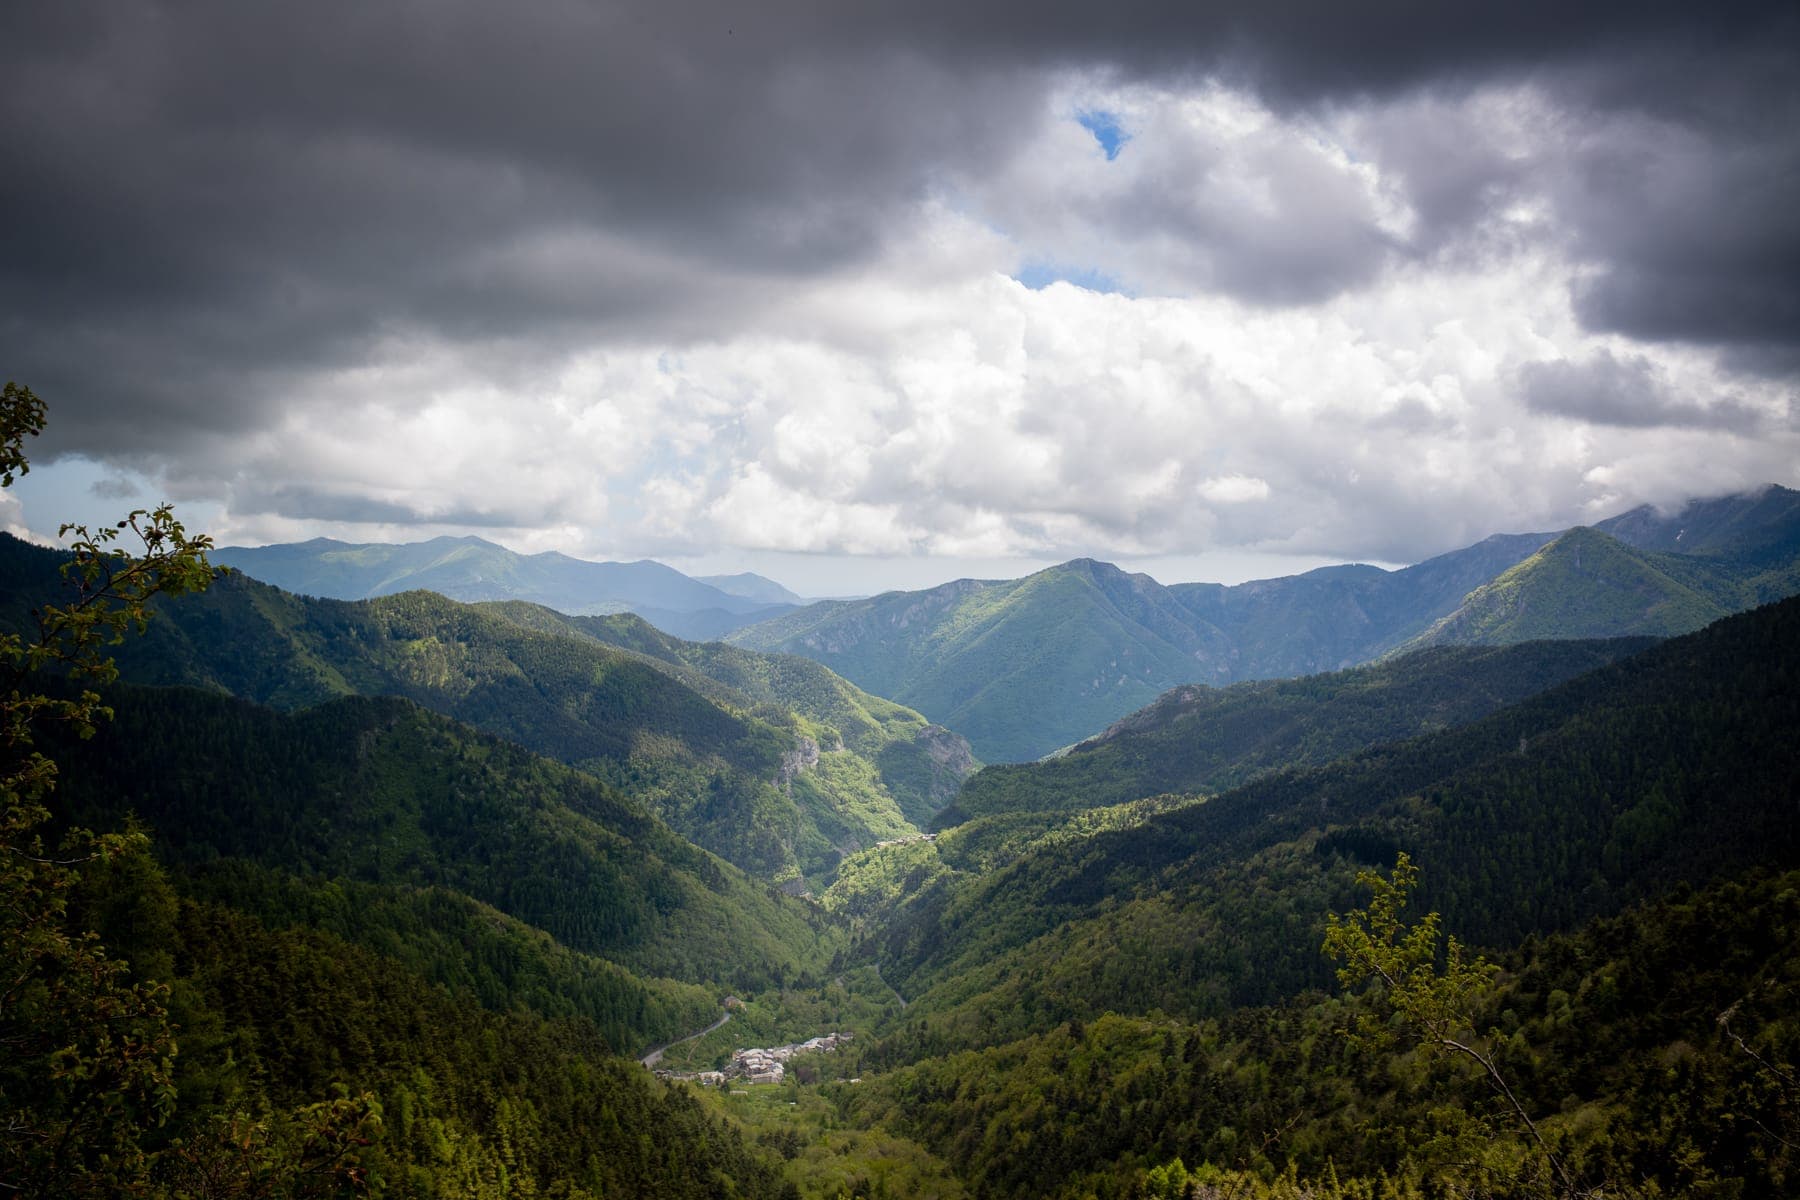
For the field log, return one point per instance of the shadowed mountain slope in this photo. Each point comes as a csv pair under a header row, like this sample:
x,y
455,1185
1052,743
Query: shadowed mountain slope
x,y
380,791
1674,764
1759,527
1198,740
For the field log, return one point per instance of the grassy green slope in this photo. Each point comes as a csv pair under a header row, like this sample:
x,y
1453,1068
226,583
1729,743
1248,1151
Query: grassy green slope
x,y
1198,739
1586,584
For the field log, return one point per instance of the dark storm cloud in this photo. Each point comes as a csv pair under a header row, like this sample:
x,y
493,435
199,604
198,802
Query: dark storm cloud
x,y
310,503
1685,199
206,200
1627,391
250,189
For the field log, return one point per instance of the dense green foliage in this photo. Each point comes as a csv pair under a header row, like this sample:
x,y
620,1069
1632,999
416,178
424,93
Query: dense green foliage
x,y
1677,763
1612,1038
382,792
919,765
473,949
465,1101
720,774
1198,739
85,1049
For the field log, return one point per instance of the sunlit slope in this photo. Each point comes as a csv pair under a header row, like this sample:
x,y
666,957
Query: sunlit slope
x,y
918,764
1018,667
739,779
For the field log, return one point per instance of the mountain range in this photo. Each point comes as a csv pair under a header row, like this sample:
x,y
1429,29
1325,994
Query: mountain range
x,y
978,656
424,871
1673,762
415,878
985,657
470,568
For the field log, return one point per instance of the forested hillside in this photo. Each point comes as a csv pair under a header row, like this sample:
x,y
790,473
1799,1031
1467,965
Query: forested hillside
x,y
745,777
1199,740
380,791
1675,764
919,764
300,1065
1131,1001
1653,1050
351,946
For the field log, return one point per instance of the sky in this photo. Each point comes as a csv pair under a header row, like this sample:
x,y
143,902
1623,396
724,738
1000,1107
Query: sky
x,y
882,294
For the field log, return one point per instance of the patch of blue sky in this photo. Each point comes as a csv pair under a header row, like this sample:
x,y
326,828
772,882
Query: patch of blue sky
x,y
1039,275
84,492
1106,129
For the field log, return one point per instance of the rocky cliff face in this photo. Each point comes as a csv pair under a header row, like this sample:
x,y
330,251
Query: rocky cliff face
x,y
951,759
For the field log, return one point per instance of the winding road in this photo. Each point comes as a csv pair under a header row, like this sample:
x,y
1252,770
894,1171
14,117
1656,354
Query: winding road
x,y
890,987
655,1056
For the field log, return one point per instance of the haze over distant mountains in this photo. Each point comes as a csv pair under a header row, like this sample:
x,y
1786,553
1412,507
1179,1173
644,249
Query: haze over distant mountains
x,y
471,569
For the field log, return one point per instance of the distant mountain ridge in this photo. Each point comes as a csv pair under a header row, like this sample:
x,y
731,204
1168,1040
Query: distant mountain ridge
x,y
1023,667
472,569
1196,740
752,586
1759,527
1018,667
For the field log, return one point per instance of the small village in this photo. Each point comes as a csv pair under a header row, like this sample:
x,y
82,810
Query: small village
x,y
759,1064
907,840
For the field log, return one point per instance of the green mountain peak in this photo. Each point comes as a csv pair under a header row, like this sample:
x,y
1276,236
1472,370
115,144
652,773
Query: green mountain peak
x,y
1588,584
